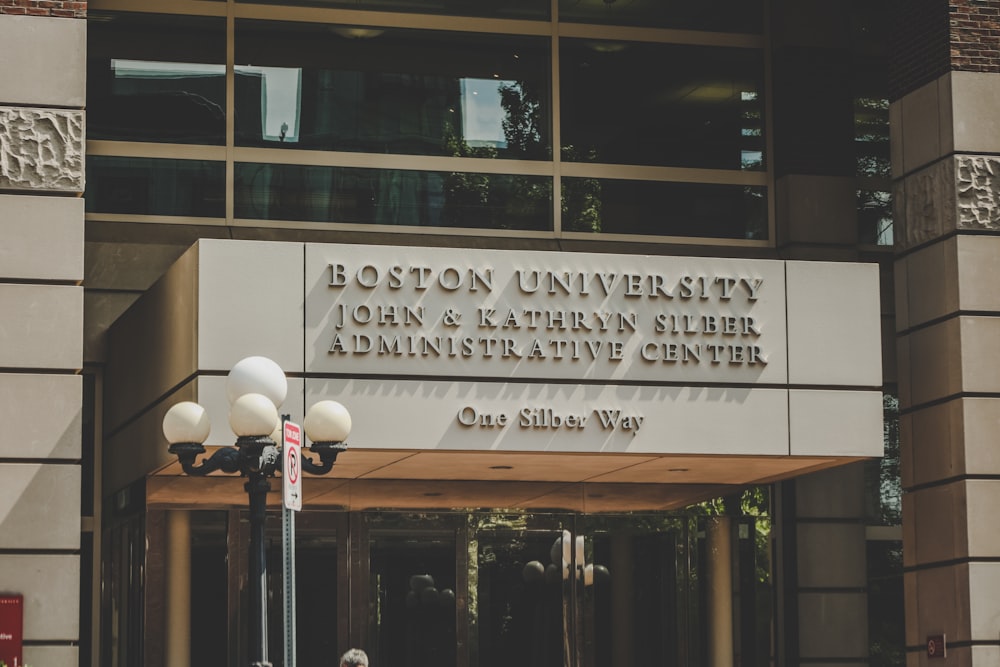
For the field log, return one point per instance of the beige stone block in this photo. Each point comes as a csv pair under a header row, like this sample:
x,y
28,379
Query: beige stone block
x,y
44,416
942,595
902,292
250,302
903,374
975,97
978,264
140,447
831,555
817,209
911,627
820,612
43,237
983,656
932,282
835,493
980,354
163,319
52,656
920,115
42,506
907,446
890,372
55,75
930,363
50,584
845,423
41,149
935,451
896,138
909,530
982,500
834,325
979,426
128,266
42,326
984,591
940,532
100,311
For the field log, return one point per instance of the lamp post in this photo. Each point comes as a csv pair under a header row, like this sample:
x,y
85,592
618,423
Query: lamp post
x,y
256,387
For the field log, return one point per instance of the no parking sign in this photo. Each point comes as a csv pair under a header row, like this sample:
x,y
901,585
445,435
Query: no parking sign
x,y
292,465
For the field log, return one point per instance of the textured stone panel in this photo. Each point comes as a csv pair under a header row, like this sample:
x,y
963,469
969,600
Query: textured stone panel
x,y
41,149
926,202
962,193
978,188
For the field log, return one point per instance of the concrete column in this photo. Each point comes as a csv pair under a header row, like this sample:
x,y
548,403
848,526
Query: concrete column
x,y
177,636
719,562
946,170
830,567
42,87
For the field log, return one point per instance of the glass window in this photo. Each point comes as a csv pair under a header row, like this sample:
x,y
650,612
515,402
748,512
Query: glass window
x,y
393,197
886,632
156,77
147,186
660,104
610,206
509,9
717,15
412,589
376,90
209,582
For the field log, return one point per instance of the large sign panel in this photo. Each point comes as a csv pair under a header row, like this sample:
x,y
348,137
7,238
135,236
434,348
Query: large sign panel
x,y
547,316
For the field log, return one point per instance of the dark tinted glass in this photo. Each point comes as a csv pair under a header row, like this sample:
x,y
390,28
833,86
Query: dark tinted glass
x,y
155,187
393,197
659,104
715,15
604,205
156,77
349,88
508,9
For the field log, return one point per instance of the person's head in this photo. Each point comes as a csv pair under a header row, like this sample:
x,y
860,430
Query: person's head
x,y
354,658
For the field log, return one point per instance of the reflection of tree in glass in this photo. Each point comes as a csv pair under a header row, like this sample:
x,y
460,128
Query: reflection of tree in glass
x,y
581,197
481,200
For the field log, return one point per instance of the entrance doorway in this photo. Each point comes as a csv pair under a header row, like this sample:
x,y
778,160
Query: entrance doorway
x,y
476,589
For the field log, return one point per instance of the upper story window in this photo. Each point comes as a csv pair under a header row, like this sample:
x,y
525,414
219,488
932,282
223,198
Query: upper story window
x,y
380,90
628,119
156,77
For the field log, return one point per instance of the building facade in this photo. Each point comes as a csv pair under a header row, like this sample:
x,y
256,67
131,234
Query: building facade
x,y
626,299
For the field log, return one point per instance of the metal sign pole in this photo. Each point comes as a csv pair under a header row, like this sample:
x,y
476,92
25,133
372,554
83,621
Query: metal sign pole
x,y
288,541
290,470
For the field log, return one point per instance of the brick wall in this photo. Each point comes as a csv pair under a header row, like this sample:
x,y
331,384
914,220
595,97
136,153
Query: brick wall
x,y
919,45
974,29
932,37
61,8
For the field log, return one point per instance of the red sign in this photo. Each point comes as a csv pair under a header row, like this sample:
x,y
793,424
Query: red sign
x,y
291,471
936,647
11,629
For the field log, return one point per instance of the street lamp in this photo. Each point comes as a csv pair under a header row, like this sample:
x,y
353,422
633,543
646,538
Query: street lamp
x,y
256,387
